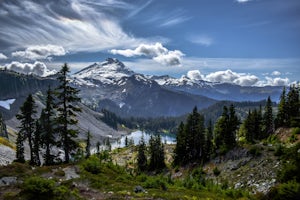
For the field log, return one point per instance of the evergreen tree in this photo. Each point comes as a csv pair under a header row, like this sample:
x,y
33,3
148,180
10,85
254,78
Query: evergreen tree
x,y
180,152
195,136
225,130
107,144
253,126
209,138
233,123
282,115
67,97
36,144
126,141
141,157
27,124
3,131
157,154
98,144
192,140
268,123
47,121
20,148
88,145
293,106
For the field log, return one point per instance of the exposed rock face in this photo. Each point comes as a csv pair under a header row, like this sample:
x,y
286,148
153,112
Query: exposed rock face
x,y
242,169
7,181
7,155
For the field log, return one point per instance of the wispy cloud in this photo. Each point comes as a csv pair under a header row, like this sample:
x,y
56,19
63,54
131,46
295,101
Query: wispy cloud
x,y
155,51
139,9
174,21
3,57
77,25
243,1
204,40
168,19
256,24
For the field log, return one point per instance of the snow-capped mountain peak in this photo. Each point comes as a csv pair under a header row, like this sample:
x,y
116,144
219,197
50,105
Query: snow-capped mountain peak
x,y
107,72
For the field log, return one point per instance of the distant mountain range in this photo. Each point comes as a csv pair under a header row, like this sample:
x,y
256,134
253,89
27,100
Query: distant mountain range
x,y
113,86
219,91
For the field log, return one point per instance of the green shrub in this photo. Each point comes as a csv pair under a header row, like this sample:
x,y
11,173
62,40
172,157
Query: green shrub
x,y
60,173
62,193
216,171
288,191
235,194
288,172
199,176
279,151
293,138
155,182
142,178
273,139
38,187
92,165
255,151
296,131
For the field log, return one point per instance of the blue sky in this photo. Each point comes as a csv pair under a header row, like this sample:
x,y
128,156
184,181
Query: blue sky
x,y
255,40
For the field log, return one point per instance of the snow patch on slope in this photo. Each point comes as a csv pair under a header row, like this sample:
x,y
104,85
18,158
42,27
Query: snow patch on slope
x,y
6,104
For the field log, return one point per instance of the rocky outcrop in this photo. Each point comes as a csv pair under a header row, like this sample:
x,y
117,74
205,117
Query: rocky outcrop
x,y
246,170
7,155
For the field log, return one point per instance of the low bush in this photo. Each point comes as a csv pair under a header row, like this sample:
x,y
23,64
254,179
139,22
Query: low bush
x,y
38,187
288,191
255,151
296,131
279,151
216,171
155,182
92,165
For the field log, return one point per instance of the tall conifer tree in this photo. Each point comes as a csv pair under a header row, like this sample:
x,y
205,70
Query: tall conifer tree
x,y
47,121
27,127
67,97
268,121
141,157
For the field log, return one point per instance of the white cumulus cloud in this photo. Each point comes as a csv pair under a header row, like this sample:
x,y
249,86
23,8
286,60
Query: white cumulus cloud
x,y
195,75
229,76
2,56
155,51
37,68
38,52
276,73
277,81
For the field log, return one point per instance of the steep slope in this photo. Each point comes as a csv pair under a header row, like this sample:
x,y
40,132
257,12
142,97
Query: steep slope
x,y
18,86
